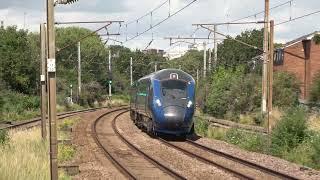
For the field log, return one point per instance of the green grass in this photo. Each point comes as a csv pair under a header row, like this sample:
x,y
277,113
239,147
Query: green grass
x,y
68,123
201,126
4,137
16,106
26,157
125,98
66,153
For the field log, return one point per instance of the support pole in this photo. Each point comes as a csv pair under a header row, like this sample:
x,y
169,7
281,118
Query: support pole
x,y
110,80
265,59
155,66
51,68
71,93
197,77
43,82
270,75
79,70
215,42
307,72
204,60
131,78
210,59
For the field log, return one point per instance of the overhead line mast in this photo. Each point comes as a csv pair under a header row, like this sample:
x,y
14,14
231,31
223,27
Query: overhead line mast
x,y
265,58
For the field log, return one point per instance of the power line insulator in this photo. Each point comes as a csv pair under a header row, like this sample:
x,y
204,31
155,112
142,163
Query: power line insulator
x,y
65,1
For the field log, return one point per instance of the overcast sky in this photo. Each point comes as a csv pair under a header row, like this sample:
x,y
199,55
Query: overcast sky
x,y
29,13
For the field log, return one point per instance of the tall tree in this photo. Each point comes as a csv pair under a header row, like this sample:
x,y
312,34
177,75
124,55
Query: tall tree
x,y
232,53
19,59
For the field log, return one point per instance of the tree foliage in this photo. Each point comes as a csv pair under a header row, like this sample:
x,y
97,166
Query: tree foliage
x,y
316,38
286,89
315,89
189,62
19,62
232,53
233,92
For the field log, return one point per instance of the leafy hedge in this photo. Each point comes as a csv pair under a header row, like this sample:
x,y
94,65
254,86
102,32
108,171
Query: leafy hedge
x,y
286,90
15,105
233,92
289,132
315,89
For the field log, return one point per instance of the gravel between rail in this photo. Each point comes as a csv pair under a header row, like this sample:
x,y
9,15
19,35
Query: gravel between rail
x,y
126,157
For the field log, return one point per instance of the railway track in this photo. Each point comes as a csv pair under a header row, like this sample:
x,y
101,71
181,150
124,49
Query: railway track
x,y
240,168
124,164
36,121
236,166
256,166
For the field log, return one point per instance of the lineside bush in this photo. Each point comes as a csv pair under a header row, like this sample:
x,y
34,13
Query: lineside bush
x,y
285,90
201,126
234,92
289,132
16,106
4,137
315,141
315,89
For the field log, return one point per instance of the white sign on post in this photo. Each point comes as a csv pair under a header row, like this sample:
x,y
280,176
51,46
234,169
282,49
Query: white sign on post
x,y
42,78
51,65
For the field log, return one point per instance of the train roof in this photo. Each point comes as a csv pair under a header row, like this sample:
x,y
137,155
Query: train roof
x,y
167,74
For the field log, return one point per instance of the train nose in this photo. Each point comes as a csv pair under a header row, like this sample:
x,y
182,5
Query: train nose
x,y
174,114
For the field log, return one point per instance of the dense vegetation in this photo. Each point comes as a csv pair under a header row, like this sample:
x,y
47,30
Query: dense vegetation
x,y
20,62
315,89
291,138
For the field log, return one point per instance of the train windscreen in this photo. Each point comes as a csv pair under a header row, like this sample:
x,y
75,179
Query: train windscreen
x,y
174,89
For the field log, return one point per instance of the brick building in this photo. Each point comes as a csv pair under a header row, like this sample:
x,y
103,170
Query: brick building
x,y
294,59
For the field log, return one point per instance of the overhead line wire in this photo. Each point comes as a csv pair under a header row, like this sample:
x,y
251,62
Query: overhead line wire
x,y
253,15
141,17
315,12
244,43
157,24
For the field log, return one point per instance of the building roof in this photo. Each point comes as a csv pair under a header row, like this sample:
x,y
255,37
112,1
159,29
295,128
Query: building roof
x,y
308,36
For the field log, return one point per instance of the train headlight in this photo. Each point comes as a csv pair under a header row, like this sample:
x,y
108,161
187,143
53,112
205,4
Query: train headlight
x,y
158,102
189,104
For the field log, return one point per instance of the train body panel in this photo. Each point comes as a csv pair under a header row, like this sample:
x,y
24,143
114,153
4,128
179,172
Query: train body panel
x,y
163,102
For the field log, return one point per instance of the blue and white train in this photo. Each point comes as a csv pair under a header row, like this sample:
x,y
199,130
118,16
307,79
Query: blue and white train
x,y
164,102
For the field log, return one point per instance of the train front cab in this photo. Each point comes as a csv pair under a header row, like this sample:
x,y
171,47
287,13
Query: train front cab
x,y
173,106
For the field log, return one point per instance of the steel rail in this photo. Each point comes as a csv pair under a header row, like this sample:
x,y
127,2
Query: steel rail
x,y
242,161
118,165
151,159
205,160
38,119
